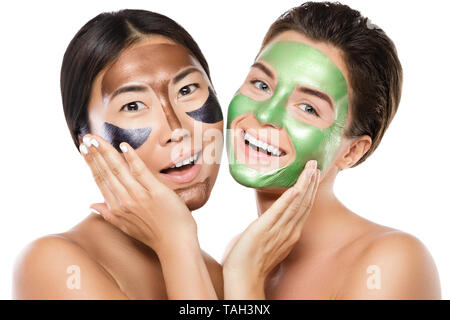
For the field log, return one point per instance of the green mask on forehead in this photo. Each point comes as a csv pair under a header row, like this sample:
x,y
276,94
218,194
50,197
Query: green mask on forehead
x,y
295,65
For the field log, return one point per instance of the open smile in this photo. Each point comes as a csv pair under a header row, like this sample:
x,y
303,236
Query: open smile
x,y
261,147
185,169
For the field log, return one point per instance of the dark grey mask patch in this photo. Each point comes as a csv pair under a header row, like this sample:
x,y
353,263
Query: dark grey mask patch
x,y
134,137
210,112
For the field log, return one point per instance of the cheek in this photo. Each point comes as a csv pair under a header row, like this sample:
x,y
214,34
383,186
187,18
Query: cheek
x,y
116,135
213,139
210,112
240,105
305,138
313,143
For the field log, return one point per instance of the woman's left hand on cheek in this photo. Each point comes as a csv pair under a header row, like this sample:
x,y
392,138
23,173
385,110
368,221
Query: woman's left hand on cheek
x,y
269,239
136,202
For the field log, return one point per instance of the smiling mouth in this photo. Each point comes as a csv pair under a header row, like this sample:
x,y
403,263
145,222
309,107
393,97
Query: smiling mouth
x,y
182,165
261,146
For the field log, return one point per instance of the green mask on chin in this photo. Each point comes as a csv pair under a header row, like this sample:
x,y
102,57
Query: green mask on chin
x,y
296,64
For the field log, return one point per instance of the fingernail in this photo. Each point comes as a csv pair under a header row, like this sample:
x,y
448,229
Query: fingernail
x,y
94,211
87,141
94,143
313,164
83,149
123,148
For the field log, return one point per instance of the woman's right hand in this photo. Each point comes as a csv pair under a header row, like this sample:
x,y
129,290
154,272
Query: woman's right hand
x,y
147,210
269,239
136,202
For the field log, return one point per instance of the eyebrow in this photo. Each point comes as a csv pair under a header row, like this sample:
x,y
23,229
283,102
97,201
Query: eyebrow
x,y
264,69
129,88
183,74
318,94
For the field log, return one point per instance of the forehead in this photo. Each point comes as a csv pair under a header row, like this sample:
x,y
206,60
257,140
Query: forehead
x,y
298,63
148,63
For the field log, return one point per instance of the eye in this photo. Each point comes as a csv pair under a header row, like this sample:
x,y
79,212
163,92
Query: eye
x,y
307,108
187,89
261,85
133,106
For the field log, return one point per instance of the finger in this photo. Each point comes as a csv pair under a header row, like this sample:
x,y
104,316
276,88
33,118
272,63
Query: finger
x,y
109,216
295,225
300,207
289,232
114,185
305,176
116,164
303,184
138,168
101,209
271,215
286,224
108,195
300,222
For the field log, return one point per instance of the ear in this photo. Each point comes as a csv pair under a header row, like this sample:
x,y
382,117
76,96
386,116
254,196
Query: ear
x,y
354,151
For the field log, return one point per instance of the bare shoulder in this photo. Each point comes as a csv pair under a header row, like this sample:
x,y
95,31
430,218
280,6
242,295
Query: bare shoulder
x,y
391,264
215,271
54,267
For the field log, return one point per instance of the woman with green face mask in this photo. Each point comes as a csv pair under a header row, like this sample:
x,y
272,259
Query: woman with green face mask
x,y
318,98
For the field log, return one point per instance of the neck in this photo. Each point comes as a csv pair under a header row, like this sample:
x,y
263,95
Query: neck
x,y
325,222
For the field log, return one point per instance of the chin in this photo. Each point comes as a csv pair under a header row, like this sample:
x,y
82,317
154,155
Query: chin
x,y
195,196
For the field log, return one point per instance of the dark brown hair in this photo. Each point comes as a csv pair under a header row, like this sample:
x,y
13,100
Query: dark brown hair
x,y
371,58
98,43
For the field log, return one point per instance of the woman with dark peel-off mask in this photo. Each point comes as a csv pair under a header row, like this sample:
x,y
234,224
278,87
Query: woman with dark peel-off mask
x,y
148,124
135,86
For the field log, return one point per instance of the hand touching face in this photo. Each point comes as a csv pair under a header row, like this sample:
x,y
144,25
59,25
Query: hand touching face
x,y
157,97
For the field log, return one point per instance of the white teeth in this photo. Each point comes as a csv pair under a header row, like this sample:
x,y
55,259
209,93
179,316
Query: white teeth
x,y
184,162
262,145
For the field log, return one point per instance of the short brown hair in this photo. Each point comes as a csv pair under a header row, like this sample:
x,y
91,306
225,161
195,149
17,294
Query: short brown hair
x,y
371,58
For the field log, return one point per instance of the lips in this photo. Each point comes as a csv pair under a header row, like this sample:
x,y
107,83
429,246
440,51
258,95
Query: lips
x,y
261,146
183,170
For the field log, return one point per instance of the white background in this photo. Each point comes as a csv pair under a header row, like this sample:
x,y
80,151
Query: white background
x,y
46,187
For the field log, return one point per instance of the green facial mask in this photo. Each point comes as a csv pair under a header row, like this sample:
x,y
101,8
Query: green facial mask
x,y
296,65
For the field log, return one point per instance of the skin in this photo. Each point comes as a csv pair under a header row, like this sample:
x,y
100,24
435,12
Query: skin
x,y
143,212
290,74
269,239
129,259
163,111
336,246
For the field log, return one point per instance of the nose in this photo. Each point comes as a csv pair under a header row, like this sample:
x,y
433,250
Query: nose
x,y
178,135
271,112
172,130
